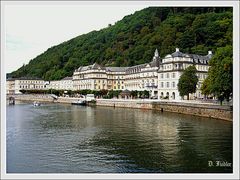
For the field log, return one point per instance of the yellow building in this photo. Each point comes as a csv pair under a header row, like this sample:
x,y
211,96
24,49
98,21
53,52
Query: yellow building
x,y
96,77
116,78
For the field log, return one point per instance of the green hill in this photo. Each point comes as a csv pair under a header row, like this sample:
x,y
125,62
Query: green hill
x,y
133,40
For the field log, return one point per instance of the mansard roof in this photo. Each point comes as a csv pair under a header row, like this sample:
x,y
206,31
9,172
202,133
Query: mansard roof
x,y
93,66
179,54
25,78
196,58
116,69
139,66
67,78
96,66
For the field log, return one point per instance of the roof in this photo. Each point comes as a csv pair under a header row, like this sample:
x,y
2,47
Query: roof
x,y
179,54
116,69
138,66
67,78
93,66
196,58
24,78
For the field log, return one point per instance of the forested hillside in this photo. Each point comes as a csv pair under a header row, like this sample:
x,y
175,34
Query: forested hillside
x,y
133,40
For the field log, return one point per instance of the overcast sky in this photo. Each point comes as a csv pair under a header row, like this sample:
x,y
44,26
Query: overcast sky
x,y
32,29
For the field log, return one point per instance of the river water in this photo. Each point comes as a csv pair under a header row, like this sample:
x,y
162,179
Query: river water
x,y
56,138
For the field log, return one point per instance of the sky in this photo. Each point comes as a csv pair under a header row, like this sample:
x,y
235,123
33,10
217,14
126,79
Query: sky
x,y
29,30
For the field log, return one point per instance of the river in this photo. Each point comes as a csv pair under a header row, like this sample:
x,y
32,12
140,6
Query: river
x,y
58,138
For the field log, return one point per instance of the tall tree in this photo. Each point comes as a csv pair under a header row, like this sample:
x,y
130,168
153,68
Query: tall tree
x,y
188,81
220,74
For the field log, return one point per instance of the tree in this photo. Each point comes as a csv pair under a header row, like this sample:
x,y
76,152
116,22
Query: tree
x,y
146,94
188,81
134,94
133,39
220,74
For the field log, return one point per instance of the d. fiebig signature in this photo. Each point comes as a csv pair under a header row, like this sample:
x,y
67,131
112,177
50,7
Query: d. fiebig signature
x,y
219,164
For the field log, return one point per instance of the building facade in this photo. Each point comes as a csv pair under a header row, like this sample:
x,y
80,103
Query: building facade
x,y
14,85
66,83
96,77
144,76
160,77
171,69
54,85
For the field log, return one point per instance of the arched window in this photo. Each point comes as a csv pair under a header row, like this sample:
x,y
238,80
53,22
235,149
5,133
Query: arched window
x,y
167,95
173,95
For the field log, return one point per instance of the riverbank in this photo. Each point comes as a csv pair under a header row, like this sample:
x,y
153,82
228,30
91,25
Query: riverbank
x,y
191,108
184,107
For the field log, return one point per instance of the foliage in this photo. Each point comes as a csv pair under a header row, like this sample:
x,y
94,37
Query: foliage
x,y
188,81
133,39
220,75
112,94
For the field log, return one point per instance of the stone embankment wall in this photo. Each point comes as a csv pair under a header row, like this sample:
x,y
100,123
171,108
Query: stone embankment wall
x,y
43,98
204,110
198,109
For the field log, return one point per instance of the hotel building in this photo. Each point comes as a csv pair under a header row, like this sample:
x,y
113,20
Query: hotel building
x,y
66,83
144,76
96,77
14,85
160,77
171,69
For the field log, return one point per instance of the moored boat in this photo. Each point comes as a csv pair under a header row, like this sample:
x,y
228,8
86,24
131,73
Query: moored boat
x,y
79,102
36,103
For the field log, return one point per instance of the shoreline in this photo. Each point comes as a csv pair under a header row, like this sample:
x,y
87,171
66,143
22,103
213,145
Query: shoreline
x,y
209,110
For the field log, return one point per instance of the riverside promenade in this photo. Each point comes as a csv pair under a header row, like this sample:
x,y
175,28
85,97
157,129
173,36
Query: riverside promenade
x,y
191,107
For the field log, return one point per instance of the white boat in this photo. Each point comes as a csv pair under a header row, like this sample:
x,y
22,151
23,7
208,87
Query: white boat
x,y
36,103
80,102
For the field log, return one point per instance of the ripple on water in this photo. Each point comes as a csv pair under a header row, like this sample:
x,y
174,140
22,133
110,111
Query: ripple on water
x,y
72,139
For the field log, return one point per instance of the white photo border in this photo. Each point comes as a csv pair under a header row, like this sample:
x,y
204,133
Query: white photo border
x,y
236,77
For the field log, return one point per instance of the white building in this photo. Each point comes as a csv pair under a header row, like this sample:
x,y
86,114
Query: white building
x,y
144,76
10,83
54,85
160,77
66,83
171,69
14,85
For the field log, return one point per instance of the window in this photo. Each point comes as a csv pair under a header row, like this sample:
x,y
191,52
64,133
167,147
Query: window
x,y
162,85
167,84
173,84
161,76
167,75
173,75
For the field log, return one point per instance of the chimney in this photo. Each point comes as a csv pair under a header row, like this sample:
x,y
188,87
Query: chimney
x,y
177,49
209,52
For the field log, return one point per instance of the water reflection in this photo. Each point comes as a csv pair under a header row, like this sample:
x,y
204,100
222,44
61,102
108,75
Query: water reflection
x,y
65,138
